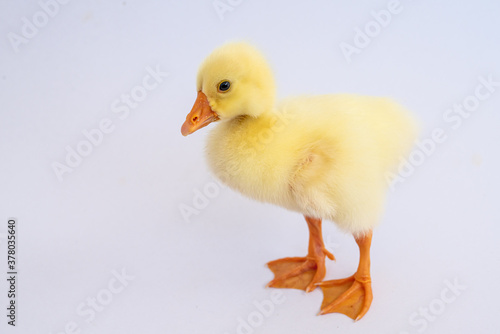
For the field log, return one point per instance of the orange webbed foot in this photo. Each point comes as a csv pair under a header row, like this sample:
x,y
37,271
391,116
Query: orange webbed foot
x,y
350,296
301,273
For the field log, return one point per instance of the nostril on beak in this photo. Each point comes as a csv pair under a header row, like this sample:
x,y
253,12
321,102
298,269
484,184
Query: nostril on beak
x,y
194,119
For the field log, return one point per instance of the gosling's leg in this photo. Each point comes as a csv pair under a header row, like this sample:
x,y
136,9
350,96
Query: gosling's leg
x,y
303,272
351,296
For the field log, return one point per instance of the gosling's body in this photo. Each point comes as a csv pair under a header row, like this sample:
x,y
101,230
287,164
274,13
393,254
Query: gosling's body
x,y
325,156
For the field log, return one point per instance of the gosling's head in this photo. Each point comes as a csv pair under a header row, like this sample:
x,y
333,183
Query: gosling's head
x,y
234,80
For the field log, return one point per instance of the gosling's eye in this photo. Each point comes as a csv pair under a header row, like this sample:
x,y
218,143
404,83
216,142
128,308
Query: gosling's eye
x,y
224,86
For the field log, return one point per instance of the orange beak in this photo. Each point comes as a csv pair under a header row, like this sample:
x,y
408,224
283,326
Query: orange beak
x,y
200,116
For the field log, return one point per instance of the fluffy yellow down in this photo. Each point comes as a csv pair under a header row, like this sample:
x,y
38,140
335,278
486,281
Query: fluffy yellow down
x,y
324,156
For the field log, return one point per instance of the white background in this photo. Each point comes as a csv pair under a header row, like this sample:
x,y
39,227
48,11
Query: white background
x,y
119,209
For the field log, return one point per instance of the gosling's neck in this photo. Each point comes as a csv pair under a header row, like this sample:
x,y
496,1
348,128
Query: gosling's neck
x,y
269,120
262,118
